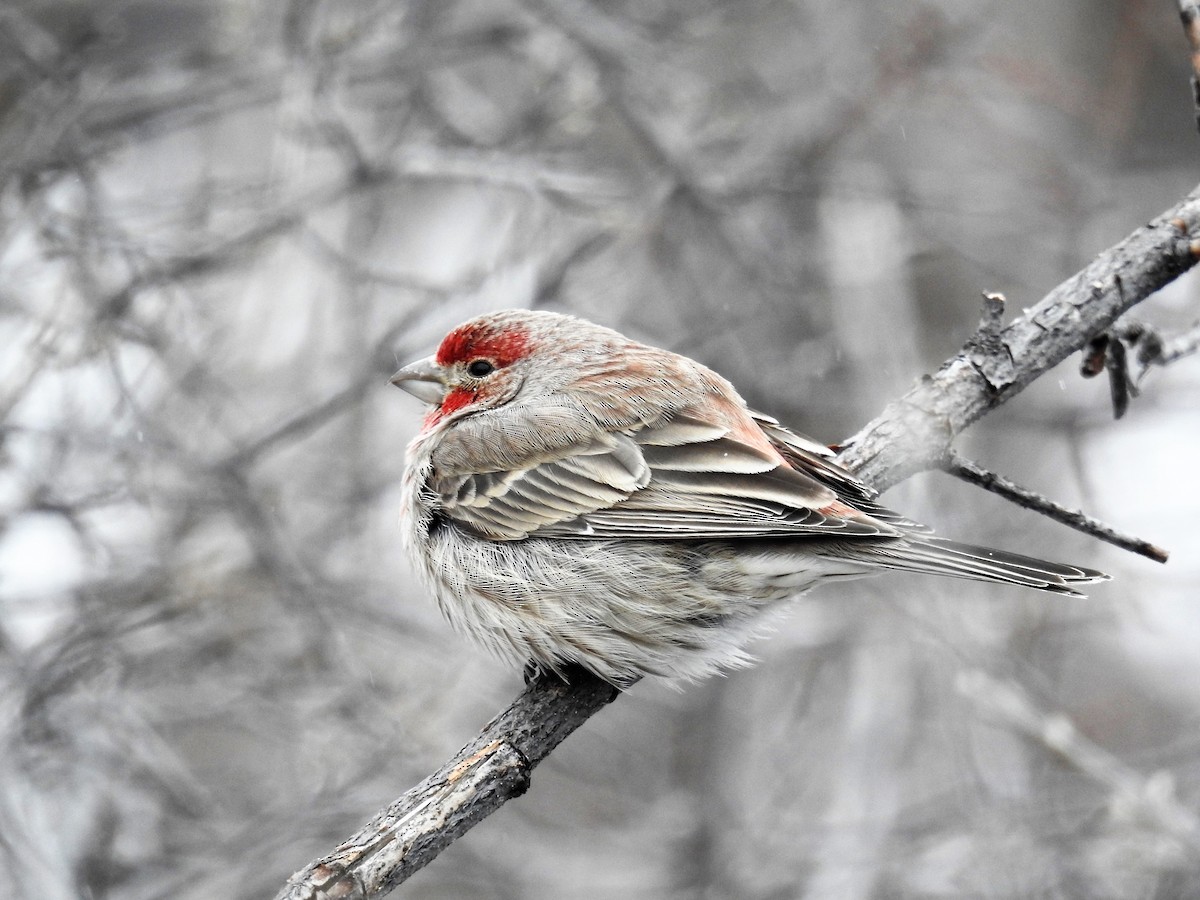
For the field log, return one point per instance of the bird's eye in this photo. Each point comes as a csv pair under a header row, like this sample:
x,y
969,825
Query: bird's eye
x,y
479,368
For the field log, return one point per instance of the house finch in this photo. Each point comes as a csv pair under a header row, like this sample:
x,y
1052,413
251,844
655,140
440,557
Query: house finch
x,y
576,497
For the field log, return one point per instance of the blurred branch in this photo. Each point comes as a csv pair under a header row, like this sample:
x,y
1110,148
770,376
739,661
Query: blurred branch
x,y
974,474
1152,799
228,250
378,364
911,434
1153,349
500,169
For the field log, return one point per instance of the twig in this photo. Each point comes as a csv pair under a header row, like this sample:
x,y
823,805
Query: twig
x,y
1107,352
1153,349
1177,348
911,434
977,475
986,349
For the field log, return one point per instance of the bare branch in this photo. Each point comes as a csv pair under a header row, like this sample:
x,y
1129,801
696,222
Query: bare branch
x,y
1154,349
489,771
1109,352
913,433
974,474
1175,348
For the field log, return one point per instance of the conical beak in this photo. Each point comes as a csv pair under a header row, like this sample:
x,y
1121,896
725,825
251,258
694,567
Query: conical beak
x,y
424,379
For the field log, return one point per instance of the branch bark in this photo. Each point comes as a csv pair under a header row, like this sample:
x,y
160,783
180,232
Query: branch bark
x,y
913,433
1073,518
488,772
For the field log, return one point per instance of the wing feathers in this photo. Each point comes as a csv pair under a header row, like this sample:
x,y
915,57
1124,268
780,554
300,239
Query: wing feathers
x,y
780,485
680,479
617,463
937,556
680,429
720,455
512,505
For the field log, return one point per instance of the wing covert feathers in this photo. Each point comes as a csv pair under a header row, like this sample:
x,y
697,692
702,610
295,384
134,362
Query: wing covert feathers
x,y
685,478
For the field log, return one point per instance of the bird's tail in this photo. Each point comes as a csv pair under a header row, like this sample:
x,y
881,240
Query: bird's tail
x,y
936,556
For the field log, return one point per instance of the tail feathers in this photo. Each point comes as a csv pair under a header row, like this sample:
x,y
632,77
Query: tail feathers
x,y
937,556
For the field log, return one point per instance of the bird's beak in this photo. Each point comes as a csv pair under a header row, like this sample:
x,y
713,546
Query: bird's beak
x,y
424,379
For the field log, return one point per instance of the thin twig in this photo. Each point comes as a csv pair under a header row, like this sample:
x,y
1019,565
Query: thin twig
x,y
1178,347
1109,352
1151,348
977,475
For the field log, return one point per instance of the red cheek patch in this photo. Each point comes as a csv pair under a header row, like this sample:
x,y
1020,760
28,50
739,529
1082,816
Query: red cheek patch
x,y
453,402
456,400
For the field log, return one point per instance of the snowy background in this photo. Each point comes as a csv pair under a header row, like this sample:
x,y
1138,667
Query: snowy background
x,y
223,223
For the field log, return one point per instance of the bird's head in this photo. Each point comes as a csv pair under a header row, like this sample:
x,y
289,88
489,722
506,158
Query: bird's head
x,y
550,361
488,361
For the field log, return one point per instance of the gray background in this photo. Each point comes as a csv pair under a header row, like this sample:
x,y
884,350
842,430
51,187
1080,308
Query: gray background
x,y
222,224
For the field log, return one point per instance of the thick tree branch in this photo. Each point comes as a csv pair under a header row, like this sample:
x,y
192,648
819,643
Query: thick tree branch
x,y
482,776
913,433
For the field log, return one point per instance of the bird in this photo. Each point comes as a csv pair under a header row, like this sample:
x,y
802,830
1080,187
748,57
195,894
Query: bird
x,y
578,498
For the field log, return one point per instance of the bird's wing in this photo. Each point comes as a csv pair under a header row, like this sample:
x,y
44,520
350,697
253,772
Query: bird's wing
x,y
513,504
678,479
806,455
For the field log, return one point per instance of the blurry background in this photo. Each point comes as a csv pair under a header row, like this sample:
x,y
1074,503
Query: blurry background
x,y
223,223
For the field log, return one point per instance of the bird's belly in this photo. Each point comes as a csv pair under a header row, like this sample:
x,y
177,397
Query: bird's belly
x,y
620,608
